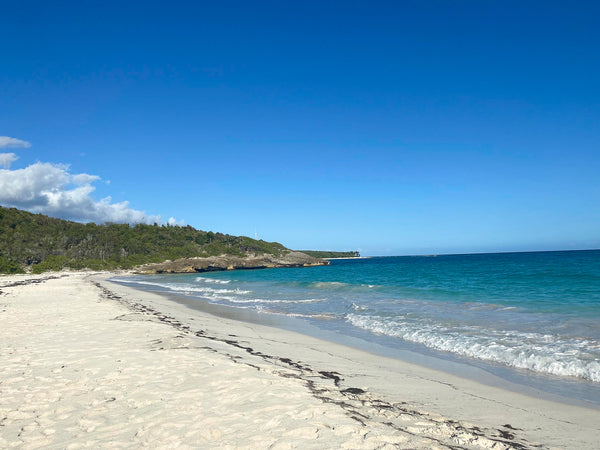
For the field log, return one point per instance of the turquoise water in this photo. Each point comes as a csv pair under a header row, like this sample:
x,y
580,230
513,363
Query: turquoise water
x,y
535,312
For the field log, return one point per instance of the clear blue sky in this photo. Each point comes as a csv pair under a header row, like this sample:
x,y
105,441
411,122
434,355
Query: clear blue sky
x,y
399,127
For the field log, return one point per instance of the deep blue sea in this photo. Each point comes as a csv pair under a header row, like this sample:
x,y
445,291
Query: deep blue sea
x,y
537,313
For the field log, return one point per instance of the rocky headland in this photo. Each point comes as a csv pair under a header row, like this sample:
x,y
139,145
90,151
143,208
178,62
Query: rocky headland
x,y
232,262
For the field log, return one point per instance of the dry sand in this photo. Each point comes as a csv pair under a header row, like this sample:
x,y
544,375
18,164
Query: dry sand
x,y
88,363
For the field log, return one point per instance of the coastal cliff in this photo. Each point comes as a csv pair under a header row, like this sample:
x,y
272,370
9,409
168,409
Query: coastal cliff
x,y
232,262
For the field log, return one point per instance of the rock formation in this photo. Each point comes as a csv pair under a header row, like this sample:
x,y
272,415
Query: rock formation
x,y
231,262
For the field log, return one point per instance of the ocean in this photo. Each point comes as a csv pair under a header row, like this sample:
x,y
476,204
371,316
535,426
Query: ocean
x,y
533,318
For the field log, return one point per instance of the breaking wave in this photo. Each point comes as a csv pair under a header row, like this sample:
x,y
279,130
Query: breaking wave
x,y
193,288
212,280
575,357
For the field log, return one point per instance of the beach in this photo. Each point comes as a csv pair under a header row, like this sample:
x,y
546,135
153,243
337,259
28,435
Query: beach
x,y
87,363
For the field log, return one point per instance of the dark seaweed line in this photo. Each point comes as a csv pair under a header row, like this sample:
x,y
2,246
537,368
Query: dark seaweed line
x,y
30,281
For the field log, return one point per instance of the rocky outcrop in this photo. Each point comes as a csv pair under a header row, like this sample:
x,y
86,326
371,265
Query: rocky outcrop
x,y
230,262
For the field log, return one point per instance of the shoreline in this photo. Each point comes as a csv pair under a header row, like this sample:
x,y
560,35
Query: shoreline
x,y
568,390
574,392
356,399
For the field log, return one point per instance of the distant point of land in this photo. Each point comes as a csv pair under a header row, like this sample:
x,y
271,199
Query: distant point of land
x,y
325,254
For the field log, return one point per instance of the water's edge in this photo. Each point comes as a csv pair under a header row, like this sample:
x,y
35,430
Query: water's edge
x,y
558,389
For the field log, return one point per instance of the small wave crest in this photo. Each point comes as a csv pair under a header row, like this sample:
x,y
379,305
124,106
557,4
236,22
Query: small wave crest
x,y
337,285
261,300
329,284
358,307
533,351
323,316
212,280
193,288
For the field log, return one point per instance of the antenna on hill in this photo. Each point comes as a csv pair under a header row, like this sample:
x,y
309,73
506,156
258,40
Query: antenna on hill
x,y
255,235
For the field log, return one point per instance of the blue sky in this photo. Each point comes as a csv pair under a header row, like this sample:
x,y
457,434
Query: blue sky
x,y
401,127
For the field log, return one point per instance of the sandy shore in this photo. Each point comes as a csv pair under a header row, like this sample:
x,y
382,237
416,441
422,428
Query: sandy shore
x,y
89,363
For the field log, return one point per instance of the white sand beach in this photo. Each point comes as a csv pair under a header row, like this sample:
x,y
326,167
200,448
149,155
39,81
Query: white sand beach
x,y
86,363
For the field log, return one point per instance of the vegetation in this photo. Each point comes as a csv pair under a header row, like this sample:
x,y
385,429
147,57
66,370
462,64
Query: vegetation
x,y
328,254
44,243
8,266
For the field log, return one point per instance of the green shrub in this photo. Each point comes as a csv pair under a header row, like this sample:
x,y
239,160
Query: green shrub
x,y
8,266
52,262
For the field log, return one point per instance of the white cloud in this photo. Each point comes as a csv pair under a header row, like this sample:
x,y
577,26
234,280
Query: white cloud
x,y
172,221
51,189
6,159
9,142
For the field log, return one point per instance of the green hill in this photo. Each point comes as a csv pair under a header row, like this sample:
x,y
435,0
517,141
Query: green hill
x,y
45,243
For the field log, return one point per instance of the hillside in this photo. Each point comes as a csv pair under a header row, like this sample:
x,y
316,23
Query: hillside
x,y
44,243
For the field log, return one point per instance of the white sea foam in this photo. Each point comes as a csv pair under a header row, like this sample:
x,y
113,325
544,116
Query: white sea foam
x,y
537,352
193,288
262,300
212,280
340,285
329,284
324,316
